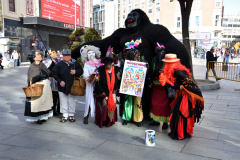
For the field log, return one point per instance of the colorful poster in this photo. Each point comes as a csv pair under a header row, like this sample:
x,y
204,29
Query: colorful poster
x,y
61,10
133,78
30,7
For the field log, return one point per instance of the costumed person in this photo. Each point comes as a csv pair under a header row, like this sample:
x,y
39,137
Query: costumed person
x,y
38,109
186,108
160,102
90,58
105,92
138,25
50,63
131,106
64,73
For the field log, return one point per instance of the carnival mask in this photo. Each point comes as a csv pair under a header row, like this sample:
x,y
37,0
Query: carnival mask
x,y
132,19
91,56
160,53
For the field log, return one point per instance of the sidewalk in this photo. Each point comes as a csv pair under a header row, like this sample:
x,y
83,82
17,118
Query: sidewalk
x,y
216,136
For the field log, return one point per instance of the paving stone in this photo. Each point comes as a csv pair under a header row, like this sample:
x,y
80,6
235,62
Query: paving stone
x,y
210,152
219,108
117,151
229,135
62,157
207,135
90,142
162,141
170,155
4,147
25,154
217,144
38,134
70,150
221,123
12,130
232,115
4,136
213,113
206,129
26,142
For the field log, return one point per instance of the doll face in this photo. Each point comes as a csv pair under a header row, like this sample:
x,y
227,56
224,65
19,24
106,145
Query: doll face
x,y
91,55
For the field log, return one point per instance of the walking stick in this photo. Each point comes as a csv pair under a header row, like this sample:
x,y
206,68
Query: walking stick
x,y
43,42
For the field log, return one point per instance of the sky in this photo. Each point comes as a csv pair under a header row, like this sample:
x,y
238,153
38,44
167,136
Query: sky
x,y
231,7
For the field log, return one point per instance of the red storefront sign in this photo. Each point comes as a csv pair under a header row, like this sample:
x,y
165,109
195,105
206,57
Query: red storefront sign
x,y
29,7
61,10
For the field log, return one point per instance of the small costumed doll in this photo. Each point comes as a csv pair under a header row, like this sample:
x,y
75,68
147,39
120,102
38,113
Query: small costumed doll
x,y
90,58
186,108
160,102
131,106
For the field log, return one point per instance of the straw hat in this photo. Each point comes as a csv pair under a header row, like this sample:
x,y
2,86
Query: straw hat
x,y
170,58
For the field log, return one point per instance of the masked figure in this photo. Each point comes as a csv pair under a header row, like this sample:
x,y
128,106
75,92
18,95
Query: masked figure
x,y
186,108
160,103
90,58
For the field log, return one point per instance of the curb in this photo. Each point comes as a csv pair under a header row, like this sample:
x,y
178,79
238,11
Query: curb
x,y
208,85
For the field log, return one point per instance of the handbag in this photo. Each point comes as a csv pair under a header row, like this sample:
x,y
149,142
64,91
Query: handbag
x,y
34,90
78,86
171,92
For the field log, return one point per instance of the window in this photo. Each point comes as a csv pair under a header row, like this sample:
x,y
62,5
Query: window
x,y
123,16
12,5
142,5
157,2
129,8
124,10
136,6
150,3
178,22
149,10
224,36
197,21
215,34
224,25
157,21
216,20
129,1
103,7
229,25
218,4
123,2
158,9
103,14
229,36
197,4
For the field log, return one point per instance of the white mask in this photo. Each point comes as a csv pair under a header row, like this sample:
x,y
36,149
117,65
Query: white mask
x,y
91,56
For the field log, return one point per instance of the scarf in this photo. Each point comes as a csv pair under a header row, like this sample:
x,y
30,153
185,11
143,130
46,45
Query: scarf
x,y
111,104
35,69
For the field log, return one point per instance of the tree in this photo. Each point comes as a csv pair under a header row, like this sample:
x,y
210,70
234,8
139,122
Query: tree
x,y
185,6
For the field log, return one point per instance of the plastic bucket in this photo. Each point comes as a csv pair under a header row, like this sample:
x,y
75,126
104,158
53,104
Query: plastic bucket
x,y
150,138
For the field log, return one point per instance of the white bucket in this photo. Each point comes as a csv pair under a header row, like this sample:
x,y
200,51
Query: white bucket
x,y
150,138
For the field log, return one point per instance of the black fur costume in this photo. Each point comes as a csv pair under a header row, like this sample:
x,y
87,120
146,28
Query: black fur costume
x,y
150,34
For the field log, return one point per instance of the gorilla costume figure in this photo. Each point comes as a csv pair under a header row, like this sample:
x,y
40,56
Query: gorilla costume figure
x,y
138,25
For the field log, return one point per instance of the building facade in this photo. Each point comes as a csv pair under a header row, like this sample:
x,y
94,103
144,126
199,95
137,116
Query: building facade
x,y
231,30
204,22
20,16
86,13
105,17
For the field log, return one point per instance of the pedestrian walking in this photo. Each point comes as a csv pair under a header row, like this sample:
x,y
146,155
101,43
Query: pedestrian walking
x,y
1,58
50,63
195,52
15,58
8,58
19,59
38,109
203,55
210,65
64,73
199,53
227,55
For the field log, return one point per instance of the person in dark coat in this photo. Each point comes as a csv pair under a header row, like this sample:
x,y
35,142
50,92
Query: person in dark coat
x,y
64,73
105,93
210,65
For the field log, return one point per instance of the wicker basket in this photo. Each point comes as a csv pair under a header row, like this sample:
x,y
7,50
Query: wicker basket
x,y
34,90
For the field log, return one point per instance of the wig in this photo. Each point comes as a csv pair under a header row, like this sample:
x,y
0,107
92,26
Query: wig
x,y
170,68
84,54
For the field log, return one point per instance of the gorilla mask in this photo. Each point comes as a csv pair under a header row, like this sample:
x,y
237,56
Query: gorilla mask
x,y
132,20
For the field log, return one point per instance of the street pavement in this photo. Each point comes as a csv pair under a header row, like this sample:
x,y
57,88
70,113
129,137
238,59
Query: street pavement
x,y
216,136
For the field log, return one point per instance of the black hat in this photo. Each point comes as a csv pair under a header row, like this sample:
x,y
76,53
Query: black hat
x,y
109,57
66,52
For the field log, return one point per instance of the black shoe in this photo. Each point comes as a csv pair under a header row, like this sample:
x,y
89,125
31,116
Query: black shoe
x,y
85,120
39,122
139,124
154,123
165,126
125,122
43,120
55,114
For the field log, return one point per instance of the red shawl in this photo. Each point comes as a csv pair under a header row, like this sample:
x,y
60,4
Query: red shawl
x,y
111,104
